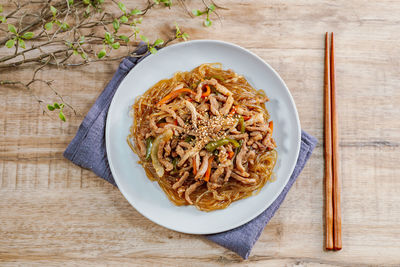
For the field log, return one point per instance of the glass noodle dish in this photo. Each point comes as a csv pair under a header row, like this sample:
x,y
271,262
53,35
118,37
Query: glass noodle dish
x,y
205,136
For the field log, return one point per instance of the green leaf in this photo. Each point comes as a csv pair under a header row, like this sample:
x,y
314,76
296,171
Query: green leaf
x,y
56,105
115,45
84,55
124,38
61,116
207,23
70,2
102,53
185,36
75,52
53,10
50,107
82,40
1,8
144,38
153,50
122,7
197,12
64,26
61,105
156,2
167,3
11,28
86,2
3,19
21,43
28,35
136,12
123,19
158,42
10,43
48,25
116,25
211,7
108,37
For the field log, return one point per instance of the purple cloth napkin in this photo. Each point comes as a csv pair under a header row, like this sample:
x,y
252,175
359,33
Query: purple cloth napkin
x,y
88,150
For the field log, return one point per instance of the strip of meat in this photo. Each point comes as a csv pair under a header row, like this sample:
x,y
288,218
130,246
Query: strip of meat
x,y
185,144
179,150
214,105
227,106
181,181
238,136
262,128
242,179
251,156
191,189
214,177
220,98
203,168
228,172
239,160
168,165
258,118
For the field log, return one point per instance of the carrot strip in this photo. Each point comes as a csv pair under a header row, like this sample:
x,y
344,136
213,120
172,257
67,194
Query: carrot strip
x,y
207,92
161,124
194,166
231,154
271,126
208,172
233,110
174,94
246,118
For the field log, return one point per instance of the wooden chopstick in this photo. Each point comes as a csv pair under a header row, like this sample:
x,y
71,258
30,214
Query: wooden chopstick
x,y
333,224
337,217
328,153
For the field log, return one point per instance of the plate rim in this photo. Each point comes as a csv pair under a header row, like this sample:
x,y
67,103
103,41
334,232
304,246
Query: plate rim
x,y
264,207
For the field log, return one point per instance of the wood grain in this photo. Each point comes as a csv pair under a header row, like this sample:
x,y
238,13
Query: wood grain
x,y
54,213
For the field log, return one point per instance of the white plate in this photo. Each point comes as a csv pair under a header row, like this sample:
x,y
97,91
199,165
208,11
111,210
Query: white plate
x,y
146,196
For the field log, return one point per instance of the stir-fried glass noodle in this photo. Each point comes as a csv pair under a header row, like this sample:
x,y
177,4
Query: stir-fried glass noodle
x,y
205,137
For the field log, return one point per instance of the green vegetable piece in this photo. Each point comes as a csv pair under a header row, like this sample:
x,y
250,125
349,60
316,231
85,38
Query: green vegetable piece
x,y
10,43
70,2
241,124
221,142
50,107
12,29
207,23
3,19
28,35
56,105
149,144
175,162
189,138
211,7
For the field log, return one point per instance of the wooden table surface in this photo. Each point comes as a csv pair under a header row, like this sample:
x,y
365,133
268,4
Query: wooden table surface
x,y
53,212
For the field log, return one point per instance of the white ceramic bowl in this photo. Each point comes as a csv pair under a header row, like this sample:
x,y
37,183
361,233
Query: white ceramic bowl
x,y
146,196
